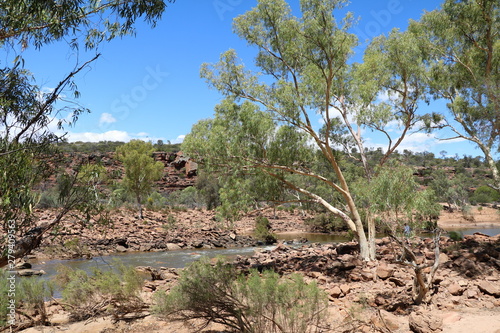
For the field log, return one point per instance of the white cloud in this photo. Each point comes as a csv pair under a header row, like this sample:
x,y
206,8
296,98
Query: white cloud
x,y
179,139
106,118
416,142
383,96
116,135
96,137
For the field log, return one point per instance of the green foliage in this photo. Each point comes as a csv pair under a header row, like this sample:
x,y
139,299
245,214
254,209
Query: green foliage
x,y
73,21
325,222
208,188
461,57
33,293
156,201
114,291
485,194
455,236
453,191
393,195
189,197
75,247
254,303
171,223
20,172
48,199
29,294
262,230
141,170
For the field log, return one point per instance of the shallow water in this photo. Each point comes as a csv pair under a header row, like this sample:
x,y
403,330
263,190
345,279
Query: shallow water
x,y
181,258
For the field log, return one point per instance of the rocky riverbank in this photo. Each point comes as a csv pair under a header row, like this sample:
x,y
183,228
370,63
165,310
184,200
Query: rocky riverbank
x,y
190,229
158,231
363,296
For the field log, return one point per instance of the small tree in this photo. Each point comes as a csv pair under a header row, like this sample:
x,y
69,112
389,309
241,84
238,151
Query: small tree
x,y
141,170
394,197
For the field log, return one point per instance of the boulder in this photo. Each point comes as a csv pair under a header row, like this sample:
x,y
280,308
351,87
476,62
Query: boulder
x,y
384,271
443,258
173,247
386,320
30,272
23,265
121,248
455,289
489,288
424,322
345,288
335,292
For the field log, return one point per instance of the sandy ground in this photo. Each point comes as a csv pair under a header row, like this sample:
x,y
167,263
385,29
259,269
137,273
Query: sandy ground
x,y
472,321
466,321
479,217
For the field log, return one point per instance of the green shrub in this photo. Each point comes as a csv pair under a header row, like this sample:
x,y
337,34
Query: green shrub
x,y
115,291
75,247
455,235
171,223
485,194
30,294
48,199
251,304
325,222
188,198
156,201
262,230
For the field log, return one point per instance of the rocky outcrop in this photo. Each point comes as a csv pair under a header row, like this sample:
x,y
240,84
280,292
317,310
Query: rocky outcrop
x,y
180,170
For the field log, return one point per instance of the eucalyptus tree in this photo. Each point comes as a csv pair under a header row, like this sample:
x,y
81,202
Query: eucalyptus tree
x,y
395,198
27,112
141,170
461,41
268,125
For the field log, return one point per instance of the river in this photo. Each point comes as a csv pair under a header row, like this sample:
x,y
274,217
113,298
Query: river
x,y
181,258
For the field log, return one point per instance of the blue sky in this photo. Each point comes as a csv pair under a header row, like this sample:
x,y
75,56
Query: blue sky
x,y
149,87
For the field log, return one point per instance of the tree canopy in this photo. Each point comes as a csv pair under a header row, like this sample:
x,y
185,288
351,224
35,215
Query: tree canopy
x,y
26,111
267,125
461,47
141,170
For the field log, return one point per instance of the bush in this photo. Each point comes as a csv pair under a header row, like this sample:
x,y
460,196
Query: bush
x,y
188,197
30,295
48,199
325,222
455,236
113,291
262,230
254,303
156,201
171,223
485,194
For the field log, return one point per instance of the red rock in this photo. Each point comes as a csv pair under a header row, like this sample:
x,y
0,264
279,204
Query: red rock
x,y
455,289
385,271
489,288
335,292
424,322
345,288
